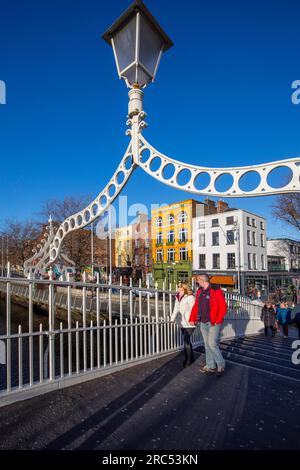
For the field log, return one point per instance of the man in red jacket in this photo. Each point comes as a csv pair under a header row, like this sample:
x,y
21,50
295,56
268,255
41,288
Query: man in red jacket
x,y
210,309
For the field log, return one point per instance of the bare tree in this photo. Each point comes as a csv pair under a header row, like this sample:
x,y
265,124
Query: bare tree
x,y
286,208
77,244
22,237
61,209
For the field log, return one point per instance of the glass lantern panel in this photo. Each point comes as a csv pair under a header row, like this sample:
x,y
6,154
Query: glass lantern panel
x,y
125,42
137,75
150,45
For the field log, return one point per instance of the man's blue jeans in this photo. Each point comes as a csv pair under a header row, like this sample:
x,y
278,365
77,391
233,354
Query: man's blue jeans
x,y
211,335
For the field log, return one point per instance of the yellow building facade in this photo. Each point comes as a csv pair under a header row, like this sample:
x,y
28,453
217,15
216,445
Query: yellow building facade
x,y
172,241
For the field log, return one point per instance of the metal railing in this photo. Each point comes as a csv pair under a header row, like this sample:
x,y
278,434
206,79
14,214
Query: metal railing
x,y
40,352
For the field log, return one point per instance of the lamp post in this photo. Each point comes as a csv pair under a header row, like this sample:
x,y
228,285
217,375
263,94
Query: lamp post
x,y
138,42
92,249
238,238
2,255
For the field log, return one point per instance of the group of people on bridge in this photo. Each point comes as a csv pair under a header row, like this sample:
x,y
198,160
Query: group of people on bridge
x,y
208,308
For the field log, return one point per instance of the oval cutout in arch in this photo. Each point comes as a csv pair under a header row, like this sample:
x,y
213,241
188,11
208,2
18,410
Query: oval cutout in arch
x,y
95,209
279,177
87,216
249,181
224,182
120,177
168,171
111,190
183,177
155,164
103,200
202,180
128,162
145,155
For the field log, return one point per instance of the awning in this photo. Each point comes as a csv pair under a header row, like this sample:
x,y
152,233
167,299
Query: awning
x,y
223,280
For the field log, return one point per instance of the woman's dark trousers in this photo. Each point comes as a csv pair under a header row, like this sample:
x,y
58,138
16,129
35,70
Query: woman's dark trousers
x,y
285,329
188,348
271,328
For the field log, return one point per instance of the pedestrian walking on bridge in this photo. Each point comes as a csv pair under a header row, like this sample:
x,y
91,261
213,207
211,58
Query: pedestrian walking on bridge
x,y
283,316
210,309
181,314
268,316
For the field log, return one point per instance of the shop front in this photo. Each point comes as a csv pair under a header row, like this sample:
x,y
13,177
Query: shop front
x,y
171,274
258,282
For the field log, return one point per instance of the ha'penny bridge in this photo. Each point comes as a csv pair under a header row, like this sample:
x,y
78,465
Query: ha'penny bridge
x,y
109,374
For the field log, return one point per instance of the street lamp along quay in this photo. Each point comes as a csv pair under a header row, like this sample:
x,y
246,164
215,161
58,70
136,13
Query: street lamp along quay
x,y
138,43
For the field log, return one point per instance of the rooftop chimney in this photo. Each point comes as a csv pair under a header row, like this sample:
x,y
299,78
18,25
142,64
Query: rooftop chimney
x,y
222,206
210,206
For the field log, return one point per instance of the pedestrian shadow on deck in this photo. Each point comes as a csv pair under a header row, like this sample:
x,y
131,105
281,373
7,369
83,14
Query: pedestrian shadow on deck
x,y
111,416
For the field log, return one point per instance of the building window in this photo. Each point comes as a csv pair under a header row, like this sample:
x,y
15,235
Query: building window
x,y
230,237
254,239
127,245
202,261
183,254
201,224
216,261
171,236
171,254
215,223
254,261
230,260
248,237
183,235
159,238
119,246
137,260
230,220
262,262
253,223
159,256
182,218
137,243
119,260
158,222
147,259
147,243
215,238
202,239
249,261
262,225
170,219
262,240
248,221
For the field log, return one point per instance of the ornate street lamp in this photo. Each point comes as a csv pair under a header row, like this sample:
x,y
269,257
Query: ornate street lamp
x,y
138,42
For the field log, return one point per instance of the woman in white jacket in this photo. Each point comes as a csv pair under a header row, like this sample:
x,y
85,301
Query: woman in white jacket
x,y
181,315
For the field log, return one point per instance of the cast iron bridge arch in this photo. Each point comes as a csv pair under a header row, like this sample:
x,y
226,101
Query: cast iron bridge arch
x,y
140,153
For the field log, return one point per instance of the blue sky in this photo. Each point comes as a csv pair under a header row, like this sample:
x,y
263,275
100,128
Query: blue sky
x,y
222,96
